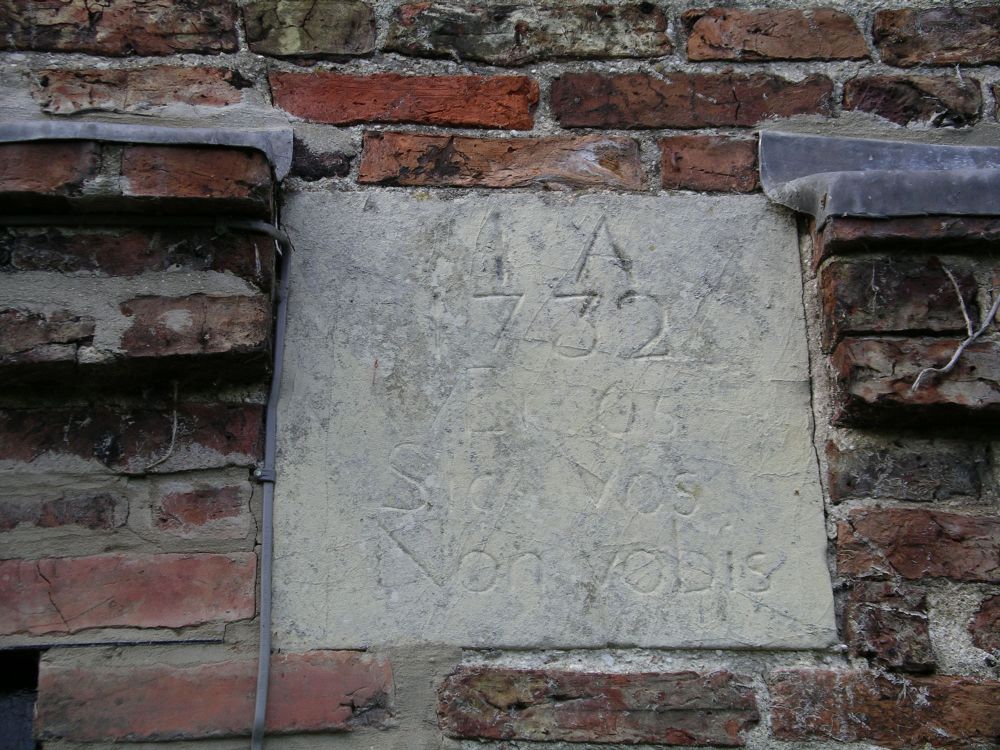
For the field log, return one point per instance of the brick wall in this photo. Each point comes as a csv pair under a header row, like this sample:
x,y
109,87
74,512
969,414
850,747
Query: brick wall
x,y
131,410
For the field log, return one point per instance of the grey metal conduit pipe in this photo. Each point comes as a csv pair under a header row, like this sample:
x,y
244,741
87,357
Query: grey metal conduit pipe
x,y
266,474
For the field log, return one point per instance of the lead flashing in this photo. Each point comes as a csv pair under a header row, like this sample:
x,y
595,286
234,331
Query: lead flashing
x,y
872,178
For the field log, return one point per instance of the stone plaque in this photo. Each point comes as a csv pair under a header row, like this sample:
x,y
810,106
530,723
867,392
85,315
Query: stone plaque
x,y
547,420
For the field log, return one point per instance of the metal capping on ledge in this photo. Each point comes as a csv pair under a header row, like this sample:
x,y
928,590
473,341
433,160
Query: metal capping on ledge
x,y
274,143
865,177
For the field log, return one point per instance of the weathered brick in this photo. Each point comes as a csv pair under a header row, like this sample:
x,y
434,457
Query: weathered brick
x,y
119,27
670,708
944,35
931,100
708,162
875,378
938,234
45,172
310,28
33,338
985,625
197,324
888,295
199,178
916,544
129,252
98,511
890,711
417,159
315,691
684,100
61,92
888,622
472,101
311,163
772,34
204,508
502,34
209,435
70,594
906,469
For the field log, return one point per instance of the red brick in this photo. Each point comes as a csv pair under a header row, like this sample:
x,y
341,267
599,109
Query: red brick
x,y
315,691
684,100
670,708
60,91
515,35
199,178
31,338
186,510
118,27
939,234
71,594
129,439
197,324
130,252
917,544
709,163
472,101
306,28
39,170
101,511
772,34
875,379
890,295
938,36
890,711
906,469
417,159
888,622
930,100
985,625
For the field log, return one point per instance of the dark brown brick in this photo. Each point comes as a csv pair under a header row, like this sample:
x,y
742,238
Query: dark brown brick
x,y
458,161
196,325
503,34
221,511
678,708
875,378
36,338
887,622
63,92
937,234
684,100
119,27
890,711
930,100
70,594
906,469
886,295
129,252
985,625
709,163
917,544
311,163
209,435
45,172
938,36
310,28
199,178
315,691
472,101
101,511
772,34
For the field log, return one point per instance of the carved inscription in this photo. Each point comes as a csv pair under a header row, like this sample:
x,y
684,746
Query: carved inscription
x,y
588,424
